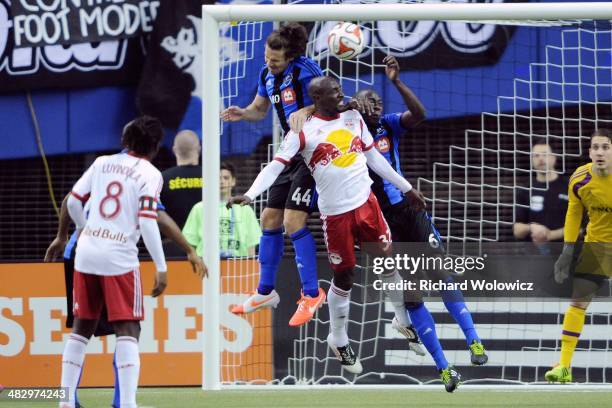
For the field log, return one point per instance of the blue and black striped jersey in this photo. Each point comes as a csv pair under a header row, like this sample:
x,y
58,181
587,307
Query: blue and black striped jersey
x,y
288,92
386,139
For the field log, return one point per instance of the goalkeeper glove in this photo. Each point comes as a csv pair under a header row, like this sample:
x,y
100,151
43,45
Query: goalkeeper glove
x,y
563,264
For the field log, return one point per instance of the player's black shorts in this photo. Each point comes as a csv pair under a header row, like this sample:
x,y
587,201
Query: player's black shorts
x,y
408,225
294,189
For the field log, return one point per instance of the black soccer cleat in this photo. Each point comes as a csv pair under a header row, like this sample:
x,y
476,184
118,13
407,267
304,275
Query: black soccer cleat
x,y
347,357
451,378
477,354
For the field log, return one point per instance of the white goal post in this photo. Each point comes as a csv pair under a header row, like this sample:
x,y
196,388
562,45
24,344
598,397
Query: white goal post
x,y
213,15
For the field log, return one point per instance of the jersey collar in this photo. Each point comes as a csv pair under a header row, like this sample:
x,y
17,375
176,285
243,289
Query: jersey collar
x,y
328,118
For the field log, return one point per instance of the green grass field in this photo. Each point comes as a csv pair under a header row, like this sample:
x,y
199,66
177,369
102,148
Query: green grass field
x,y
282,398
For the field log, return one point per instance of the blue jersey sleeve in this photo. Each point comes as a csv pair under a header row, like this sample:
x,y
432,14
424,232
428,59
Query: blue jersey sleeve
x,y
394,120
261,86
160,206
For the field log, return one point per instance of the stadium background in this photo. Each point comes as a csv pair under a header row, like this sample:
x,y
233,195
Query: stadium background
x,y
78,124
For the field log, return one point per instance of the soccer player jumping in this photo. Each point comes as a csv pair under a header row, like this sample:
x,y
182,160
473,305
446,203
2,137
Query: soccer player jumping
x,y
123,191
590,189
336,146
283,83
411,225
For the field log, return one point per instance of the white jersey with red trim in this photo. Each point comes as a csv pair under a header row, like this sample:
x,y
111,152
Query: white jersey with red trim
x,y
120,188
333,151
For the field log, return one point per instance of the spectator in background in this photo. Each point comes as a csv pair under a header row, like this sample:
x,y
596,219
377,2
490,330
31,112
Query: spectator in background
x,y
239,230
183,183
542,221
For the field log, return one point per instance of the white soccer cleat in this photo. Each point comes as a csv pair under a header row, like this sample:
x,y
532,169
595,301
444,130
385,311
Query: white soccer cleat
x,y
409,333
256,302
347,356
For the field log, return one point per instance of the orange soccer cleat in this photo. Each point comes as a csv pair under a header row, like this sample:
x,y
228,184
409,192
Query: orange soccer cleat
x,y
307,306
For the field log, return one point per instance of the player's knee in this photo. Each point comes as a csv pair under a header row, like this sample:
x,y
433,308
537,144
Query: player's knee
x,y
127,328
344,279
294,220
271,218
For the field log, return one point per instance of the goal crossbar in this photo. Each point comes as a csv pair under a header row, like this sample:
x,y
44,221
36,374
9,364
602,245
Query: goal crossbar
x,y
213,15
411,12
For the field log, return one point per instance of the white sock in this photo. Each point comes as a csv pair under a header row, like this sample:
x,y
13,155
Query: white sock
x,y
338,301
72,362
396,297
128,369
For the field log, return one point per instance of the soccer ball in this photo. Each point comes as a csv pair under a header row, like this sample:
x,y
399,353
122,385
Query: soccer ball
x,y
345,40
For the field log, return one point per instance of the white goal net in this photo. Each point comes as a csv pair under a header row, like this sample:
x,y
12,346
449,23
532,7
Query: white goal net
x,y
490,90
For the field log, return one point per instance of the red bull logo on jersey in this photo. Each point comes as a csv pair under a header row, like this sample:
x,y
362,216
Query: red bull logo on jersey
x,y
340,148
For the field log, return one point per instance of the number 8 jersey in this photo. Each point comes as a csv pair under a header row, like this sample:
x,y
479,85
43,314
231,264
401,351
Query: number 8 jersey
x,y
120,188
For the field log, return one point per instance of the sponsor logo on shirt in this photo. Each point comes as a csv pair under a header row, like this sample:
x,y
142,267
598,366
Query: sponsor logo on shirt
x,y
340,148
601,208
288,96
105,233
288,79
383,145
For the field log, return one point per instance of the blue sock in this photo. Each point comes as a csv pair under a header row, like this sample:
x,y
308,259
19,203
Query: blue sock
x,y
271,248
426,328
116,394
453,300
306,261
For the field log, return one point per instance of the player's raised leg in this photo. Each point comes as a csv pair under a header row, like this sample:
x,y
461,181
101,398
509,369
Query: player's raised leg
x,y
339,297
424,323
271,246
306,261
337,230
289,204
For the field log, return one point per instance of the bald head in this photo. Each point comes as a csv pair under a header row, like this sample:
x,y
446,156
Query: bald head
x,y
326,94
321,84
186,147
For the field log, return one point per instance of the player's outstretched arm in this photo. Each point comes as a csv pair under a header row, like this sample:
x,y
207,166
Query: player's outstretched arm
x,y
169,228
56,248
381,166
416,111
257,110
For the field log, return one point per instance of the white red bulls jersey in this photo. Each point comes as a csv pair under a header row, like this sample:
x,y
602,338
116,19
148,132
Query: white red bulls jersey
x,y
333,151
120,188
